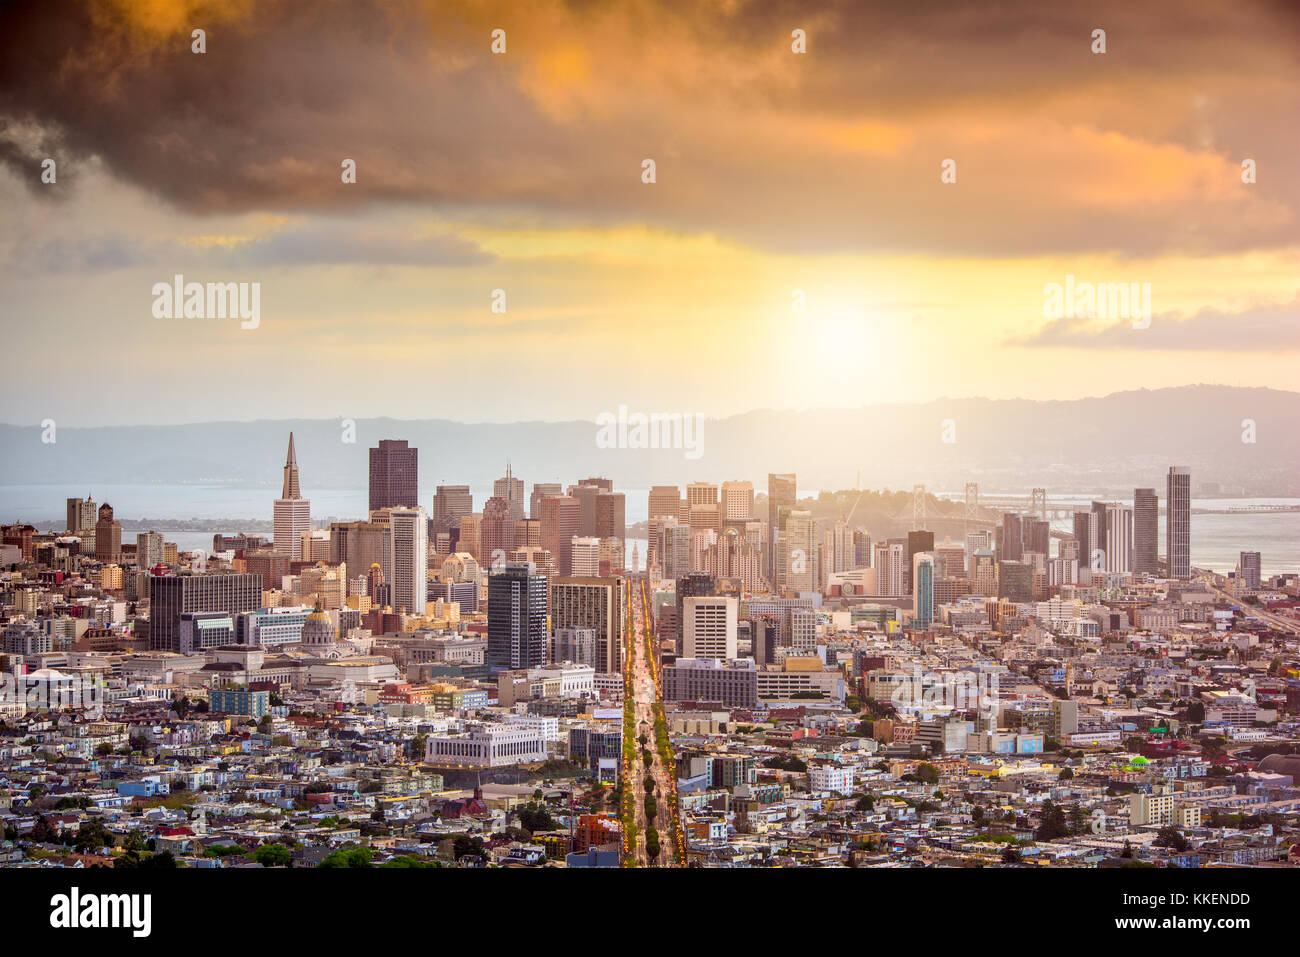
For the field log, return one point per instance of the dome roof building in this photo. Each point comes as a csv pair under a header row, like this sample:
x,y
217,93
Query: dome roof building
x,y
318,632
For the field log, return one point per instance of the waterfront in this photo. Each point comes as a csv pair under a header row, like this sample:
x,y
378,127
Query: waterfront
x,y
1216,538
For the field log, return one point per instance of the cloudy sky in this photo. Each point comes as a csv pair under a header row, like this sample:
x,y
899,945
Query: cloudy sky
x,y
522,171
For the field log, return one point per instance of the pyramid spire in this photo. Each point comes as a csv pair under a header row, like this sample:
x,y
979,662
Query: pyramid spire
x,y
291,489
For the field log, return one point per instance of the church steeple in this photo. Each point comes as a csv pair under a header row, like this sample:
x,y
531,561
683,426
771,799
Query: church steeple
x,y
291,489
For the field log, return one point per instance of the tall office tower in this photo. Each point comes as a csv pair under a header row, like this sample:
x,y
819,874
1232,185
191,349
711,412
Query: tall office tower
x,y
736,557
766,639
171,596
696,584
539,558
701,493
981,538
595,603
665,500
291,517
512,490
560,522
81,514
1248,569
585,496
837,544
701,541
1119,538
1146,520
496,533
451,503
1098,529
889,560
290,487
782,496
704,517
1087,535
291,513
1178,522
516,618
542,490
674,549
917,541
949,561
801,552
604,484
861,550
410,576
394,475
1013,537
984,573
737,501
469,538
1035,536
148,549
1015,581
108,536
803,630
709,627
586,557
528,533
923,588
612,556
611,515
375,582
359,545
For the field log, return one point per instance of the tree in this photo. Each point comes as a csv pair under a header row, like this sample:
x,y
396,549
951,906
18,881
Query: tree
x,y
536,817
865,803
91,836
927,774
1052,824
355,857
1065,775
1170,837
273,855
1010,856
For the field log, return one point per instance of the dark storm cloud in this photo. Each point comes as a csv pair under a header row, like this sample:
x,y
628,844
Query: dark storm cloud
x,y
1134,151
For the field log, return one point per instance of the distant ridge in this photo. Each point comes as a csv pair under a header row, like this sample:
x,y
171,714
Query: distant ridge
x,y
1116,440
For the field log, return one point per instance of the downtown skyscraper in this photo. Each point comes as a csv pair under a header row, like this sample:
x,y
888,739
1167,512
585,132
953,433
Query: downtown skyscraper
x,y
394,475
1146,522
409,580
1178,522
516,618
291,513
782,496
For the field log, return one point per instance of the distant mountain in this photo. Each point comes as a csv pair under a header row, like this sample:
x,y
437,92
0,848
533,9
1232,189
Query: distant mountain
x,y
1116,441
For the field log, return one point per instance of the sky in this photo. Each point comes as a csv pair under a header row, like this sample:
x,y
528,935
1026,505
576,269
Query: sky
x,y
915,180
